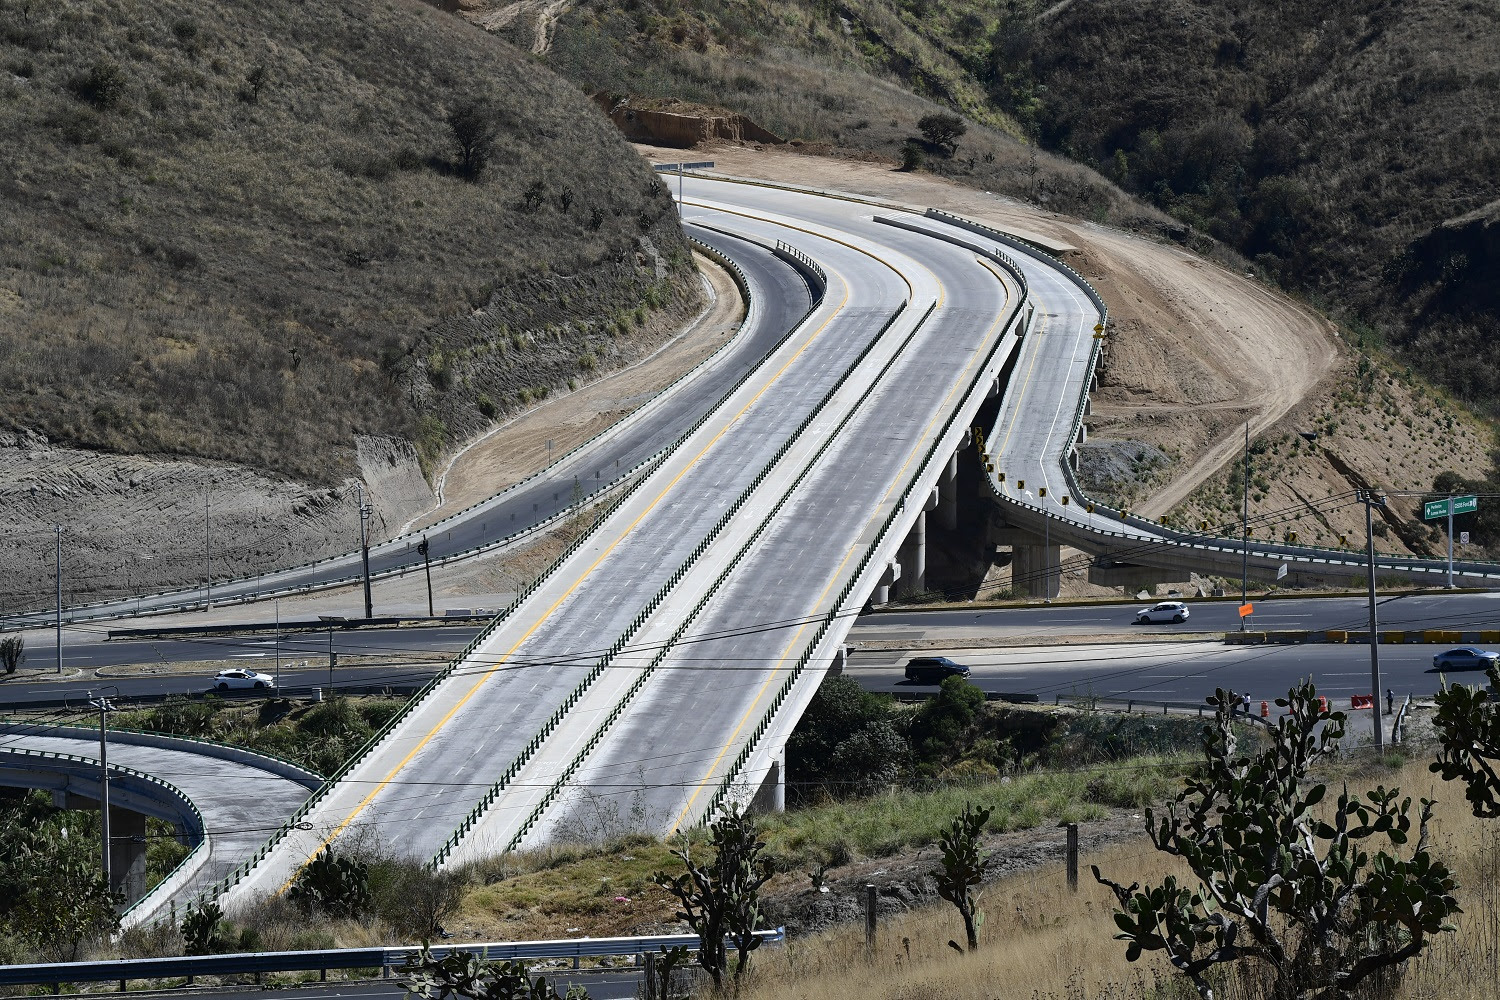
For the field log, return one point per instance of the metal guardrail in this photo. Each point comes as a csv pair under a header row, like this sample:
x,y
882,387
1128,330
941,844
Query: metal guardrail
x,y
258,964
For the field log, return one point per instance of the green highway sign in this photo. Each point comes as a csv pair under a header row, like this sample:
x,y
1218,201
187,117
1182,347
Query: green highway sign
x,y
1434,509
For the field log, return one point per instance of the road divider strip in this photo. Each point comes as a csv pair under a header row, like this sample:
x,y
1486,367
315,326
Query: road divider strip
x,y
783,692
1419,637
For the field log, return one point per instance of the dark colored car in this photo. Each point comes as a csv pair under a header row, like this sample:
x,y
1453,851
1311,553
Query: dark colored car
x,y
934,670
1465,658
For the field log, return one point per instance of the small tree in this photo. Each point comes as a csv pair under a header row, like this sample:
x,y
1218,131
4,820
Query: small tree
x,y
1303,896
911,156
473,124
204,930
12,653
333,884
465,974
65,902
943,129
1468,728
721,898
962,869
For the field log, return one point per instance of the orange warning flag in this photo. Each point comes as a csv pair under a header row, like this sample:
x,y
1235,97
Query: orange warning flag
x,y
1246,609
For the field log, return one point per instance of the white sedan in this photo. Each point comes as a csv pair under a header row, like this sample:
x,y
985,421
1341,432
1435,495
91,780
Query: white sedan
x,y
1166,611
228,680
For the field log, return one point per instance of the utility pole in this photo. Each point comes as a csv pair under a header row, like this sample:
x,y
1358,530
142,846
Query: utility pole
x,y
1371,501
364,547
103,705
331,661
277,603
208,580
425,549
58,528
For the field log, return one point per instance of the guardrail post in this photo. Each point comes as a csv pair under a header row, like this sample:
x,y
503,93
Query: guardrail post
x,y
1073,856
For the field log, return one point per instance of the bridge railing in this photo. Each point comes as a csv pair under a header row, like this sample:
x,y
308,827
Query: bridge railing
x,y
471,821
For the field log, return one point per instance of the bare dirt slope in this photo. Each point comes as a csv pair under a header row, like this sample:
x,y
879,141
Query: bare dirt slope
x,y
1196,349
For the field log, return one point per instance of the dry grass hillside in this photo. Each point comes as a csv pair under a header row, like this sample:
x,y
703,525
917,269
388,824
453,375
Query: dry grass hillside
x,y
241,266
238,231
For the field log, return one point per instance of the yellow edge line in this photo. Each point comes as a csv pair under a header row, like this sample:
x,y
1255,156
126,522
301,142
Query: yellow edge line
x,y
566,594
781,660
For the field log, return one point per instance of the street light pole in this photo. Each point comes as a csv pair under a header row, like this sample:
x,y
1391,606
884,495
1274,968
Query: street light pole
x,y
208,580
1371,502
58,528
364,548
1245,531
277,603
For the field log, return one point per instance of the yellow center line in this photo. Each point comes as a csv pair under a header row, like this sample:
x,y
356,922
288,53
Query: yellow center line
x,y
780,661
566,594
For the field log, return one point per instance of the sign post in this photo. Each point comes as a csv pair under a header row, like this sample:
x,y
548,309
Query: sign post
x,y
1432,510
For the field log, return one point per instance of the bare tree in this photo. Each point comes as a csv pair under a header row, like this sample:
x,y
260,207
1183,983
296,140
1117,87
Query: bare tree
x,y
12,653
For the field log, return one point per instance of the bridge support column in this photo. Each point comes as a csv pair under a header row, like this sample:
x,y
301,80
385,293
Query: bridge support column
x,y
1034,569
948,495
913,556
771,796
127,853
882,594
1035,566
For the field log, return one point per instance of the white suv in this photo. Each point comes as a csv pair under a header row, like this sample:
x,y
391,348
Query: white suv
x,y
1166,611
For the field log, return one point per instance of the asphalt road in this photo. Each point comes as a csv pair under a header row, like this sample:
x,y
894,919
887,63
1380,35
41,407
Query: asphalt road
x,y
781,297
1178,673
1427,611
88,651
